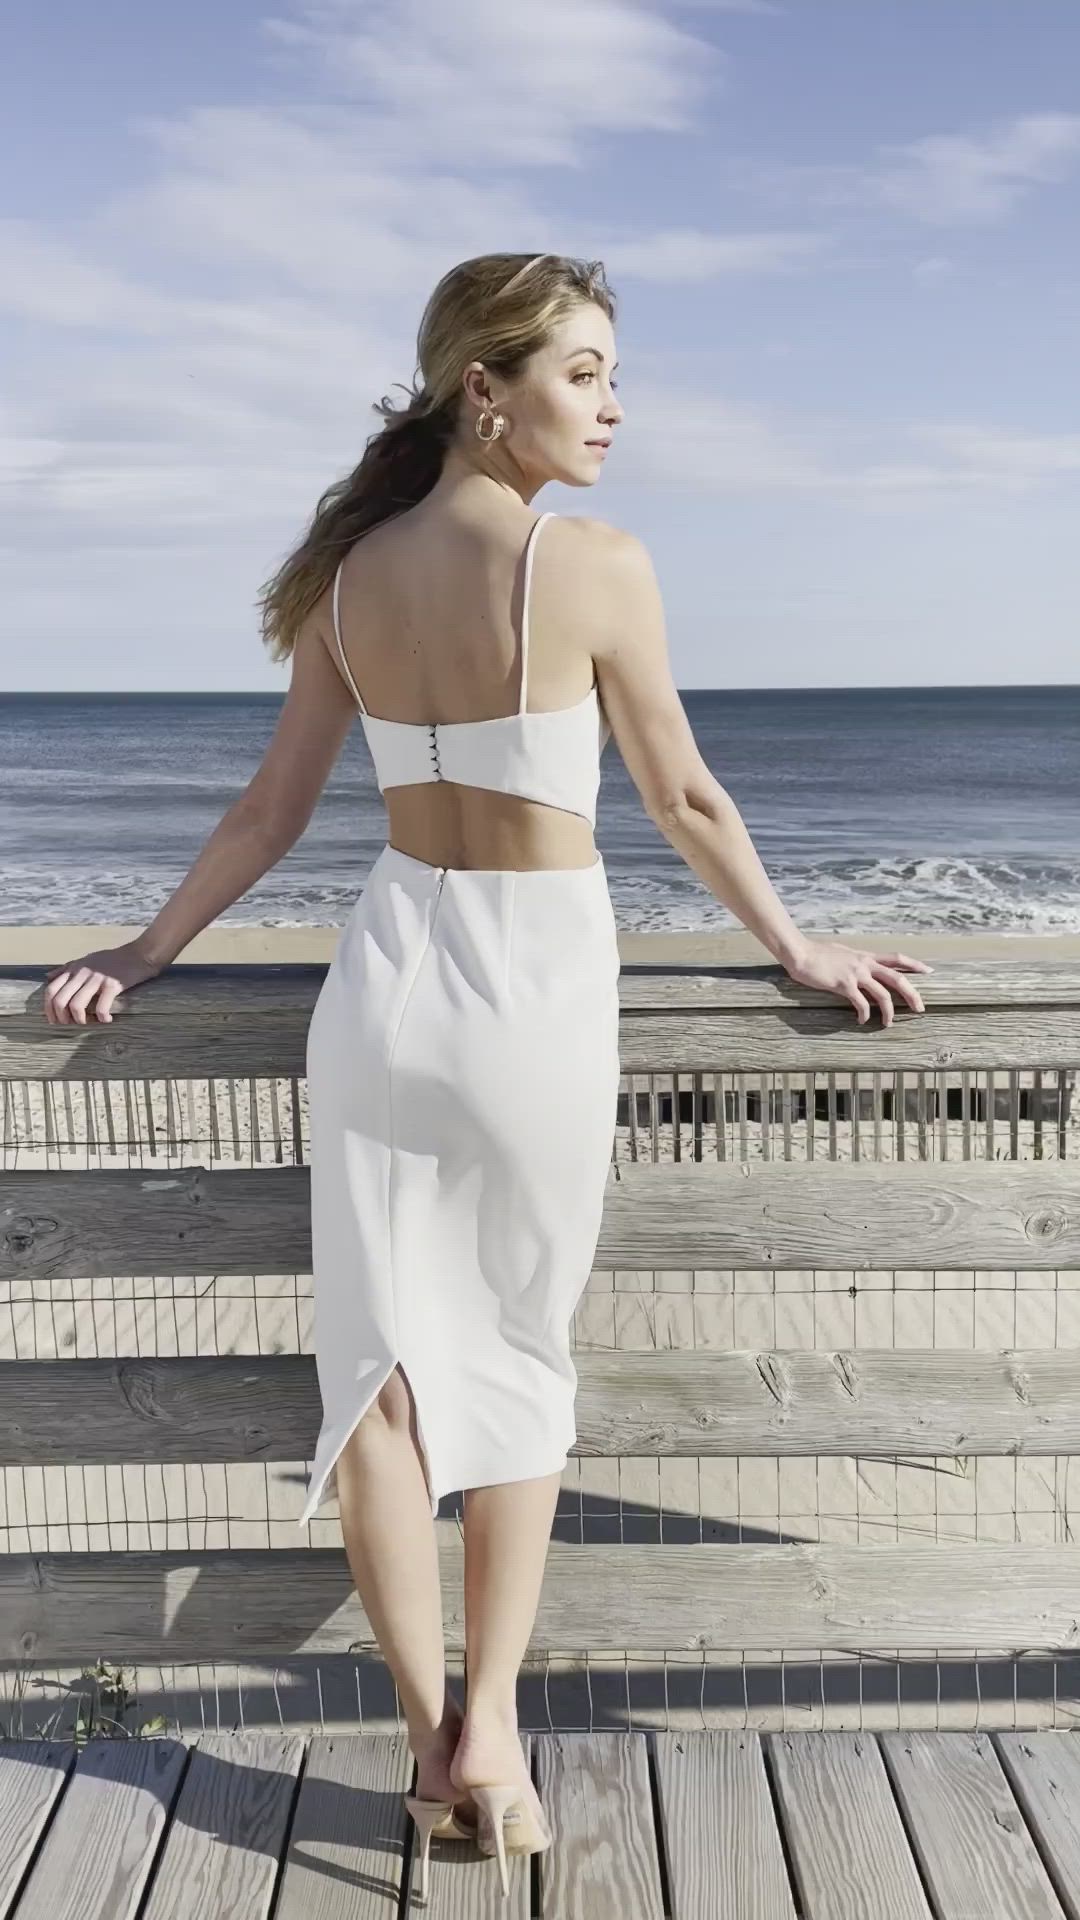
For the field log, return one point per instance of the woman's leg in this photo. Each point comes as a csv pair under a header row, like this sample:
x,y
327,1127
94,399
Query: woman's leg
x,y
507,1533
391,1547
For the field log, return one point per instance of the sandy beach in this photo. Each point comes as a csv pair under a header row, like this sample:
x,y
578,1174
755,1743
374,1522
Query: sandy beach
x,y
50,945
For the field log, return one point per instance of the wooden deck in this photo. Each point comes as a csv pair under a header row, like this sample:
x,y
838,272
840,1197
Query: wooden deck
x,y
911,1825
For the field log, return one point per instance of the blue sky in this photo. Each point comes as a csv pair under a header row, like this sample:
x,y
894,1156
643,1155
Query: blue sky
x,y
843,238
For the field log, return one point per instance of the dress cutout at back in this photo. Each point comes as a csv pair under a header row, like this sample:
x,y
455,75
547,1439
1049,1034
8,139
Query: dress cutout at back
x,y
551,757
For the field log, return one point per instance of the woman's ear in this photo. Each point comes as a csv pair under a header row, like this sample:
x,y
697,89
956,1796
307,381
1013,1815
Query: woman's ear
x,y
476,384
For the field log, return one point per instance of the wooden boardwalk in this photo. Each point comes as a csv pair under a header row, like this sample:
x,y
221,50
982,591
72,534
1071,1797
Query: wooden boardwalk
x,y
911,1825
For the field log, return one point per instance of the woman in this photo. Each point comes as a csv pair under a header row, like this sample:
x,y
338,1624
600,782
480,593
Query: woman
x,y
456,1192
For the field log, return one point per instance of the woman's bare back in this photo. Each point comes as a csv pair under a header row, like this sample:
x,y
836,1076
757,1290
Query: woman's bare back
x,y
430,615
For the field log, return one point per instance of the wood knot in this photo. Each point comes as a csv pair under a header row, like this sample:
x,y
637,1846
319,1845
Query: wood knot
x,y
24,1231
1047,1225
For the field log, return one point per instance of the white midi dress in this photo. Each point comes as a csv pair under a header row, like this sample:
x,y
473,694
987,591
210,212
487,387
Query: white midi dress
x,y
463,1074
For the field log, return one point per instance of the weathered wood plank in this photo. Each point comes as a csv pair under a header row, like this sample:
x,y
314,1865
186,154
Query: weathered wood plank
x,y
249,1603
799,1038
193,1220
859,1401
849,1852
968,1834
237,992
671,1403
32,1776
723,1847
1043,1770
795,1040
206,1407
228,1830
864,1216
245,1021
603,1859
100,1850
349,1830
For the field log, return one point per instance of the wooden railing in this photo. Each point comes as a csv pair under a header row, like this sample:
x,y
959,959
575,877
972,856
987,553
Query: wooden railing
x,y
1003,1039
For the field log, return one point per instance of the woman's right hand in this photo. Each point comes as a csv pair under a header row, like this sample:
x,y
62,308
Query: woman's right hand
x,y
94,980
856,974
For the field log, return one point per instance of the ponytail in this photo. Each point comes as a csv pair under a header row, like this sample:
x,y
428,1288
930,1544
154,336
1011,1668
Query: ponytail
x,y
399,467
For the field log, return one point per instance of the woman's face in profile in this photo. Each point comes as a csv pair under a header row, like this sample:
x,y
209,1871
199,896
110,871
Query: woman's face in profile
x,y
565,407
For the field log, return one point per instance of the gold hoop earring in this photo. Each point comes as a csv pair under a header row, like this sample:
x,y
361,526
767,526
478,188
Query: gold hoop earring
x,y
497,425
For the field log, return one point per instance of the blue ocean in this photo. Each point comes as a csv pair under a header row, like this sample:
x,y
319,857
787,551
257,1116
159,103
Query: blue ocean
x,y
951,808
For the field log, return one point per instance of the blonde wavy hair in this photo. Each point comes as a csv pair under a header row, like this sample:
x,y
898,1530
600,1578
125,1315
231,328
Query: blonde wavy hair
x,y
499,308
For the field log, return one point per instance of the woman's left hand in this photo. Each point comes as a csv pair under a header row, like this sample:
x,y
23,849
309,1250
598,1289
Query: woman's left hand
x,y
859,976
95,981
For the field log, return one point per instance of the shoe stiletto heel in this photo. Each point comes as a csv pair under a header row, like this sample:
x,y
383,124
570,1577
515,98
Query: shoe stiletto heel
x,y
504,1809
436,1817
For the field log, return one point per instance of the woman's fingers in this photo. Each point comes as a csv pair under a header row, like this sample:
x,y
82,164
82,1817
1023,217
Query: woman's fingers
x,y
53,983
859,1001
110,991
60,992
879,992
64,1005
899,985
882,979
80,1000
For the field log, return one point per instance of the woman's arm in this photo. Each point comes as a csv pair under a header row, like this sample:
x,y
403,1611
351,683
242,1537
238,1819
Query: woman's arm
x,y
245,844
708,830
692,810
256,832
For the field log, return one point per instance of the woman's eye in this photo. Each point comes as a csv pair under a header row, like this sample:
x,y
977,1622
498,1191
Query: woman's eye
x,y
585,374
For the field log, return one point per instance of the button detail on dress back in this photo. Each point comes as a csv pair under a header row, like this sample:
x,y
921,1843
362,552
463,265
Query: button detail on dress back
x,y
434,750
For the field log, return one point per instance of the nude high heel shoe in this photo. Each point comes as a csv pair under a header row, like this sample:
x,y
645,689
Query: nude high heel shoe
x,y
438,1817
513,1824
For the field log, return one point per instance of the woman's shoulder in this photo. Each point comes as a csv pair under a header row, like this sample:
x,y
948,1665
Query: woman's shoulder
x,y
608,543
596,577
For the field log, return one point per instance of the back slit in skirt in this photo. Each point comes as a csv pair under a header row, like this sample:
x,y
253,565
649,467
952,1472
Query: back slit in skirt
x,y
463,1074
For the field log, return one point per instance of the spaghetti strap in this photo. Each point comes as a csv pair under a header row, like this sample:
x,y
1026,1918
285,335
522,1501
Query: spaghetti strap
x,y
530,545
337,636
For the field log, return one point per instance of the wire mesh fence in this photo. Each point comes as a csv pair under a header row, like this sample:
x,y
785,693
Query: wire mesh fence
x,y
701,1116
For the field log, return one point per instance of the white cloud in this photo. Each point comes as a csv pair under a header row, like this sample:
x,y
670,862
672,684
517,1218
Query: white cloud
x,y
946,180
679,435
951,180
484,81
686,254
982,456
46,280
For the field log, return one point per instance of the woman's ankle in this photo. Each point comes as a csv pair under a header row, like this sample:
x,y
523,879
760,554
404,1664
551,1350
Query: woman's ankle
x,y
483,1714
